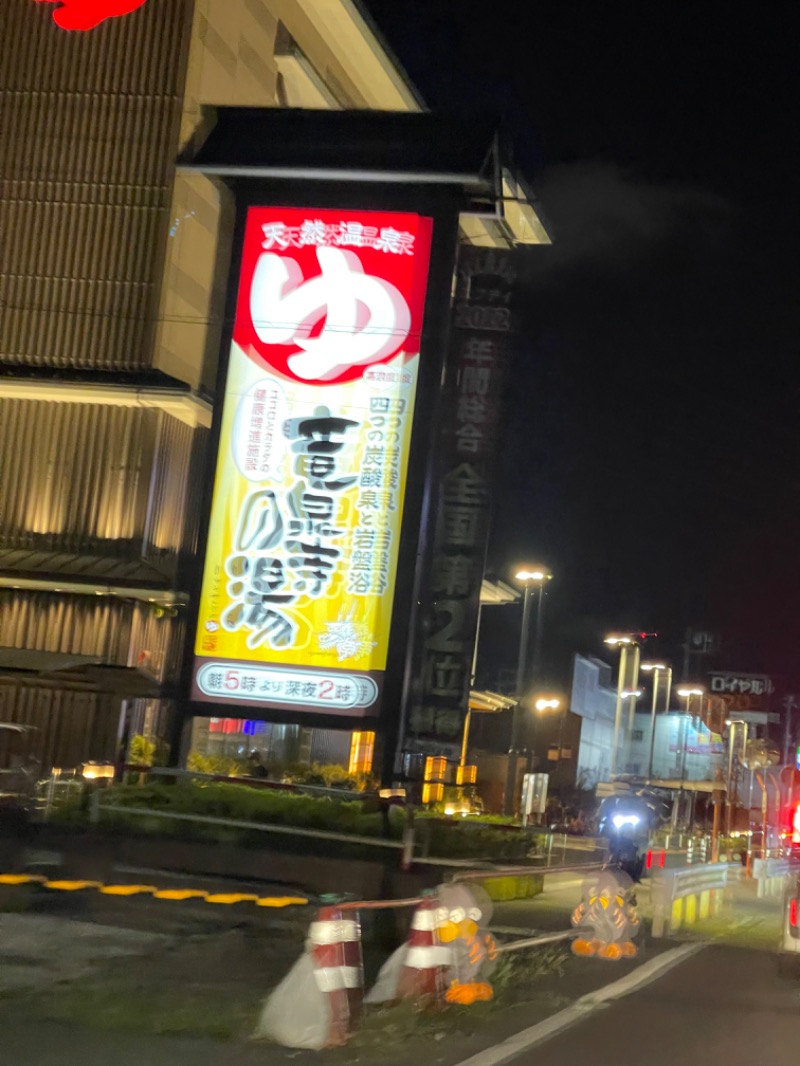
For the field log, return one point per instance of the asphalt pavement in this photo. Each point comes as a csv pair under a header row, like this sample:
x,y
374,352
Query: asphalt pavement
x,y
721,1006
146,981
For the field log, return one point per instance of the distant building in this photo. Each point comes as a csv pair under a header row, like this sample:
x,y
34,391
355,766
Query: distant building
x,y
684,748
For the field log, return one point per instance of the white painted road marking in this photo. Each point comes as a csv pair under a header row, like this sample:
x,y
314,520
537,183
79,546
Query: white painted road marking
x,y
582,1008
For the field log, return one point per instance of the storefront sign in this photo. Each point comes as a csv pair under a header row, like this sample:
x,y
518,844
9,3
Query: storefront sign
x,y
483,333
303,539
742,692
87,14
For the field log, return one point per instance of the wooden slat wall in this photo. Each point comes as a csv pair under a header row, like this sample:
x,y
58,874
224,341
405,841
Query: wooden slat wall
x,y
97,478
117,632
89,126
72,726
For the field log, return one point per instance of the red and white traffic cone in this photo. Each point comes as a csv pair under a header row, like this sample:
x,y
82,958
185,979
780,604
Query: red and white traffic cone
x,y
423,976
335,948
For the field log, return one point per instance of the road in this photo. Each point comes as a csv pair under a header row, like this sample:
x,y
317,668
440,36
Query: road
x,y
196,999
722,1006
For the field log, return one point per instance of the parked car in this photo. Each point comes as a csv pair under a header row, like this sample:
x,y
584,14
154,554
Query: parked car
x,y
789,950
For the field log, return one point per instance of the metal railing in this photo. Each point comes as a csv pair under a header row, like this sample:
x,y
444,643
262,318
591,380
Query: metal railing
x,y
771,875
672,885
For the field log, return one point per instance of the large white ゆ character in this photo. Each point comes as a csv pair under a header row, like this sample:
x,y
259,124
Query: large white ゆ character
x,y
366,318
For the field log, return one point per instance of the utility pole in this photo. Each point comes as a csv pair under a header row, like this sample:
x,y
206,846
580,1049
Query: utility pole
x,y
789,705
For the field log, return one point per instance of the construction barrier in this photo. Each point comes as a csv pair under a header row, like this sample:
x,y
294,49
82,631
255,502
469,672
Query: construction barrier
x,y
685,896
447,958
426,959
335,948
319,1002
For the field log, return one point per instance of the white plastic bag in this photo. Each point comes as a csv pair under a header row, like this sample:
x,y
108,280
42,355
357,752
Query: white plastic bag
x,y
297,1014
385,988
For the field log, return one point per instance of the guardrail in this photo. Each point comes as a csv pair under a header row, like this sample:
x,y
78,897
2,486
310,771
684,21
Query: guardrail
x,y
771,875
502,882
683,896
96,807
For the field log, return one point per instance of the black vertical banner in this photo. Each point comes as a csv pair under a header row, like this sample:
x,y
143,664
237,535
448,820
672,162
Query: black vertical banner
x,y
482,336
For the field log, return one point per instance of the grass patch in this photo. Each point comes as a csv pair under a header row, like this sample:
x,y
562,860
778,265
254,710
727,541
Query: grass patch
x,y
221,1011
518,971
517,977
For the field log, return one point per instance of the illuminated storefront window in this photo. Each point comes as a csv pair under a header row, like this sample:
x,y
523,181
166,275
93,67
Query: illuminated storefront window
x,y
362,750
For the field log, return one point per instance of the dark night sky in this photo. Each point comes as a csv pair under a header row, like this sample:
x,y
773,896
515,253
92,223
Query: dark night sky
x,y
652,456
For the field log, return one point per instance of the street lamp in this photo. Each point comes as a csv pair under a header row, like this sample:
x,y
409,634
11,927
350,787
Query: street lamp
x,y
553,703
623,642
531,578
631,695
733,729
657,670
686,693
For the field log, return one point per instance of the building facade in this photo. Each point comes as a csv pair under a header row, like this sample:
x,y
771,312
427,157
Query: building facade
x,y
112,288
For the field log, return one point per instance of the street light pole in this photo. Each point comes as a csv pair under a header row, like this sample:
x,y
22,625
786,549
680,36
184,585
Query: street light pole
x,y
530,579
623,662
538,633
553,703
522,656
729,799
658,669
623,643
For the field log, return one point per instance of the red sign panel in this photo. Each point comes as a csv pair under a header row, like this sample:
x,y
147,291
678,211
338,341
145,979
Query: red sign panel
x,y
87,14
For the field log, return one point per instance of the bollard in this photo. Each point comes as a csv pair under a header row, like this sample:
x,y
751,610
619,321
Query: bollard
x,y
335,944
407,857
423,973
94,807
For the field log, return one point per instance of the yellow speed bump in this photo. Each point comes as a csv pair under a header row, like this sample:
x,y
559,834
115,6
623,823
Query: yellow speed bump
x,y
127,890
281,901
71,886
232,897
154,892
180,893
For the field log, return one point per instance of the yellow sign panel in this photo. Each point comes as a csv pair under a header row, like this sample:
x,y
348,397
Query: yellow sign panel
x,y
303,539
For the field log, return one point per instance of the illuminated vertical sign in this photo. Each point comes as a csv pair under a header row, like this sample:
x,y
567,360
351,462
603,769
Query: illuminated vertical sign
x,y
299,576
483,332
87,14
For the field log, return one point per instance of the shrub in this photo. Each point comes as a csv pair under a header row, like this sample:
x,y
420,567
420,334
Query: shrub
x,y
242,803
216,764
